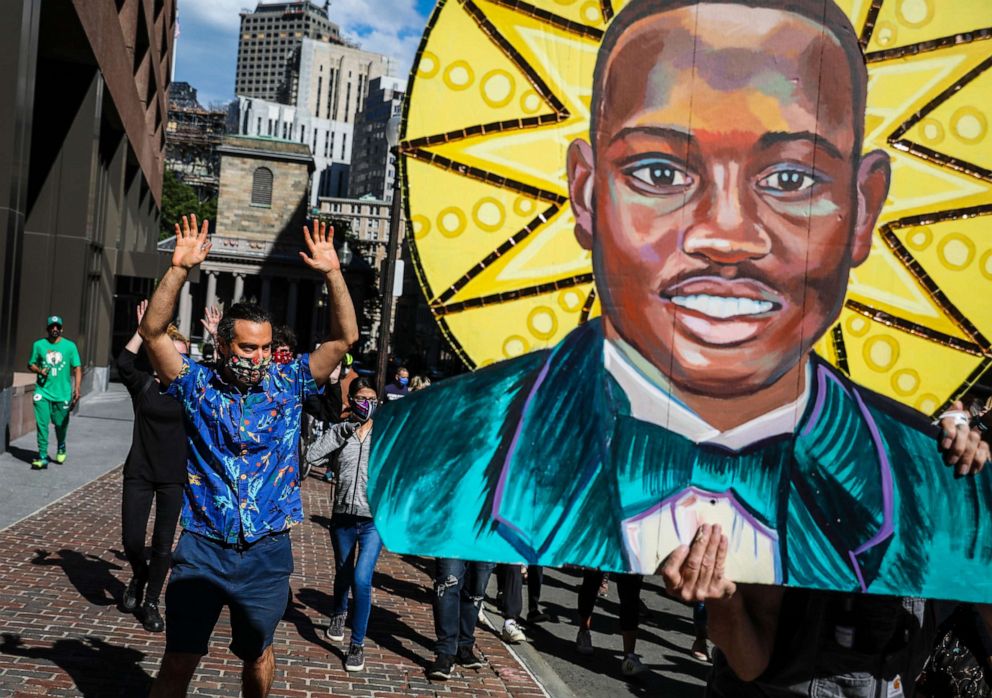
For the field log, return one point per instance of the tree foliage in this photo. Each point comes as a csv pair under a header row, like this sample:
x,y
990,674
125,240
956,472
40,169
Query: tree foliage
x,y
180,199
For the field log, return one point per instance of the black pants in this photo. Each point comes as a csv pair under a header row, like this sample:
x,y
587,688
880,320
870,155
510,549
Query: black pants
x,y
511,584
629,589
136,505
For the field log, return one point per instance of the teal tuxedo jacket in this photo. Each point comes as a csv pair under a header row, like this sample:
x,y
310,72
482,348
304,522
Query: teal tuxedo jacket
x,y
539,460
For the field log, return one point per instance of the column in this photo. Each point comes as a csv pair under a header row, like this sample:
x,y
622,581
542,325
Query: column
x,y
211,288
294,293
266,292
239,287
185,310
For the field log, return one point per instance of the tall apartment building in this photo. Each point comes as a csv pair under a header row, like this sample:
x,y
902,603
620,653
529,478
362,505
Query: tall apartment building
x,y
333,82
373,167
83,87
270,36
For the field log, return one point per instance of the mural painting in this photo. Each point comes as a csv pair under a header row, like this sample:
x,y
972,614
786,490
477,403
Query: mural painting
x,y
713,262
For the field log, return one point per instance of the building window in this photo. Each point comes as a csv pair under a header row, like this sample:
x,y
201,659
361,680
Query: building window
x,y
261,187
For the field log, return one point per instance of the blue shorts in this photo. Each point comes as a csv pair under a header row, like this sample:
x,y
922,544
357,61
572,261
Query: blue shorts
x,y
208,575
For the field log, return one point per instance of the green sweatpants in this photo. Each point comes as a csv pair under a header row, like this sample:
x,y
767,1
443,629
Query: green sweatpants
x,y
57,413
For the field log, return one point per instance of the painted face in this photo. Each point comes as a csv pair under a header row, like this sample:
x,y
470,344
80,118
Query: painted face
x,y
721,193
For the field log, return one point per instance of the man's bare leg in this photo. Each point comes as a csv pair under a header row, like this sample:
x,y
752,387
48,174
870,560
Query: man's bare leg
x,y
174,675
257,676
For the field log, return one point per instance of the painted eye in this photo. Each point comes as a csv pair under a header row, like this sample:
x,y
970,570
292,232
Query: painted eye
x,y
661,175
788,181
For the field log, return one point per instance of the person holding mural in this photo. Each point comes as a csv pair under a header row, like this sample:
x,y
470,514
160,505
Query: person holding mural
x,y
629,591
55,361
354,537
721,250
243,491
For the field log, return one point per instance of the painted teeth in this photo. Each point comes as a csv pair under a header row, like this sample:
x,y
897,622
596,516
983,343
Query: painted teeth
x,y
721,306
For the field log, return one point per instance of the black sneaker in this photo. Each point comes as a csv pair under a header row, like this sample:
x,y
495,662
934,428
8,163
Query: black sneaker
x,y
356,658
440,668
133,595
151,619
335,629
467,658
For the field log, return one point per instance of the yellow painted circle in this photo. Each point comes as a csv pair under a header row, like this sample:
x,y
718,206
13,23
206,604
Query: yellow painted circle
x,y
489,214
956,251
886,33
428,65
858,325
497,88
459,76
927,403
920,239
933,132
515,345
591,12
881,353
915,13
530,102
565,2
542,323
451,222
969,125
523,206
570,300
421,226
905,381
986,265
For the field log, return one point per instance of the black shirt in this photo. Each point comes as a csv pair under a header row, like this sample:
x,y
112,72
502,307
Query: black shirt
x,y
158,443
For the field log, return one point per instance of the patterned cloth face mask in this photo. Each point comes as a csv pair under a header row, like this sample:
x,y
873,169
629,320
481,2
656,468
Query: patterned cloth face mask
x,y
363,409
248,370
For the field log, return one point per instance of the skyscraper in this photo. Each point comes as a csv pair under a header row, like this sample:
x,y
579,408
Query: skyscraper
x,y
270,36
373,167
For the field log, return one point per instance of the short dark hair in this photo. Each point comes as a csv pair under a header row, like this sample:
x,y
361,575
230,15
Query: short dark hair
x,y
359,383
283,334
825,13
252,312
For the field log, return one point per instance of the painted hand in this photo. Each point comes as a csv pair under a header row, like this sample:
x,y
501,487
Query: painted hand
x,y
191,248
962,445
696,573
320,244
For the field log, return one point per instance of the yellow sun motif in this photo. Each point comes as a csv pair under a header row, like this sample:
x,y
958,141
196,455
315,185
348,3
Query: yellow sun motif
x,y
500,88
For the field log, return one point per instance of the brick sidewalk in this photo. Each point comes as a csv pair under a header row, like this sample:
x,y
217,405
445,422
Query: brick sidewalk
x,y
62,572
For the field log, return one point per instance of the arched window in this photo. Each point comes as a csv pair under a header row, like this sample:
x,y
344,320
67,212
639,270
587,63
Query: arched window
x,y
261,187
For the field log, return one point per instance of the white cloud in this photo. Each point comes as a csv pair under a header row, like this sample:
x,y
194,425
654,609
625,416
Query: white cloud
x,y
220,14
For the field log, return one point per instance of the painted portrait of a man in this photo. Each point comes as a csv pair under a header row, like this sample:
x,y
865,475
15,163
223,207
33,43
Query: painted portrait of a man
x,y
725,196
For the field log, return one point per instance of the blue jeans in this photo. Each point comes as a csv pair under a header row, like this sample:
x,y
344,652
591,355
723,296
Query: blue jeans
x,y
459,587
347,531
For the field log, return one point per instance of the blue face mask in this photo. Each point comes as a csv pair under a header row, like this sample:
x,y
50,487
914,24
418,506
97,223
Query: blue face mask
x,y
403,381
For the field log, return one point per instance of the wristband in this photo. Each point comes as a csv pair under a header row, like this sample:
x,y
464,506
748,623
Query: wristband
x,y
960,418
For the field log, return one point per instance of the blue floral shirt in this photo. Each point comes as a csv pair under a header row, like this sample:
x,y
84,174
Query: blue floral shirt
x,y
243,465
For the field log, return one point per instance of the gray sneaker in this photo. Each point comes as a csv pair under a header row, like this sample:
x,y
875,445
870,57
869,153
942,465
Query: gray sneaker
x,y
335,629
356,658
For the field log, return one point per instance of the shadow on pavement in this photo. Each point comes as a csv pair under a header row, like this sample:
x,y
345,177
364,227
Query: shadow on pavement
x,y
22,454
91,575
88,663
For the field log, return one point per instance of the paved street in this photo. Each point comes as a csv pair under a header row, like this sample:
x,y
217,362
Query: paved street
x,y
63,634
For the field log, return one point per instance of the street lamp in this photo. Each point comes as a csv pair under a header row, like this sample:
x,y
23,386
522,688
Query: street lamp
x,y
389,268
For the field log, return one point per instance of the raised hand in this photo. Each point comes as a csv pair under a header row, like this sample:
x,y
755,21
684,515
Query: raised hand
x,y
320,245
211,319
191,247
696,573
142,307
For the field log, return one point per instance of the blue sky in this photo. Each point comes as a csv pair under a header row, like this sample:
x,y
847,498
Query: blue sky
x,y
207,48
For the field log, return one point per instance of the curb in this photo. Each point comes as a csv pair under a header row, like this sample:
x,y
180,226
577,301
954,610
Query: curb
x,y
534,664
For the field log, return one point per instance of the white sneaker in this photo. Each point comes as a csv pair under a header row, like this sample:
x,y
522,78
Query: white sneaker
x,y
583,641
632,665
512,633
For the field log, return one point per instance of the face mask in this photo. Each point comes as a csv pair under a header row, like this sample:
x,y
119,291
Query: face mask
x,y
403,381
363,409
282,357
247,370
